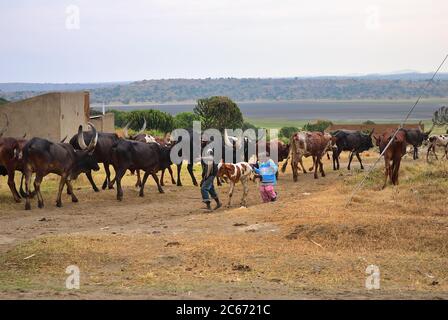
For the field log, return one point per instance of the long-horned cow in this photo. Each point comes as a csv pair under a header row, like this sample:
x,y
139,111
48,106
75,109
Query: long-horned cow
x,y
102,153
306,144
349,140
416,137
134,155
43,157
146,138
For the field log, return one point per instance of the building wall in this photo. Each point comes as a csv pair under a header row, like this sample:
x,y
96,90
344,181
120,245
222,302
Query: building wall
x,y
104,123
51,116
74,112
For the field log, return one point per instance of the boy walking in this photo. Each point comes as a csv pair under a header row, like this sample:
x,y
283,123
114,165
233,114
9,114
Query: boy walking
x,y
209,172
267,169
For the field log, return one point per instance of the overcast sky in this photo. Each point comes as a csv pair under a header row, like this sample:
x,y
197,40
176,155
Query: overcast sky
x,y
47,41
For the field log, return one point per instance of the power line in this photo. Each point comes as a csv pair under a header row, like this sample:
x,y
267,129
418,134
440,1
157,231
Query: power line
x,y
359,185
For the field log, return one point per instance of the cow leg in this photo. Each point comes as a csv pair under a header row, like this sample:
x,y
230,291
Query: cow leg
x,y
62,183
107,181
70,187
350,160
396,170
232,186
321,167
161,178
245,183
294,169
190,171
156,179
386,173
142,185
171,175
179,168
37,183
301,164
359,159
89,176
219,181
316,166
415,157
138,184
12,184
119,175
311,169
27,174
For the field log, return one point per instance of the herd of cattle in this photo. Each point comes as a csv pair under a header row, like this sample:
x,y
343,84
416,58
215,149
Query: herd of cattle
x,y
142,152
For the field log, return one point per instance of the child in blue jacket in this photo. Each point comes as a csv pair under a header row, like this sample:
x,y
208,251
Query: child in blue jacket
x,y
267,169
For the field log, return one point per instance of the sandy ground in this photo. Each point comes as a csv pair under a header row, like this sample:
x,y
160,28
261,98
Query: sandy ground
x,y
306,245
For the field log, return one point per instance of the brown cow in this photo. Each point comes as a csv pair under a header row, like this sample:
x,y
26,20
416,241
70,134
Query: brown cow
x,y
10,158
236,172
307,144
394,153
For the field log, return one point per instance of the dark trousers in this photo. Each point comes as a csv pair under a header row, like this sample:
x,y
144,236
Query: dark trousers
x,y
207,189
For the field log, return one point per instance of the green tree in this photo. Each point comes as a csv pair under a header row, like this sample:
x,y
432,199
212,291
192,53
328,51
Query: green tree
x,y
320,125
219,113
287,132
3,100
368,122
155,120
184,120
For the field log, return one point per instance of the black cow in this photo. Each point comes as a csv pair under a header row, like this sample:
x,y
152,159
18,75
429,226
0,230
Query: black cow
x,y
415,137
135,155
102,153
350,140
43,157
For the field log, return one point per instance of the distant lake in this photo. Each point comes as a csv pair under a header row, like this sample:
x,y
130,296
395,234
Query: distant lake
x,y
312,110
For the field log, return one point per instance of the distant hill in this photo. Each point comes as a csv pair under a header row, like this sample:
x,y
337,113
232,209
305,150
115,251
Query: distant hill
x,y
394,86
39,87
3,101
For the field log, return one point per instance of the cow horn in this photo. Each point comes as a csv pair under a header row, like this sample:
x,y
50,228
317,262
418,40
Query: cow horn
x,y
226,139
62,141
143,127
7,125
371,132
94,140
81,141
125,130
24,135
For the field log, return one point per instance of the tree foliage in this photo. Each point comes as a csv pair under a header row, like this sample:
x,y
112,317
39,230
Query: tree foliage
x,y
320,125
287,132
218,112
155,119
440,117
3,100
184,120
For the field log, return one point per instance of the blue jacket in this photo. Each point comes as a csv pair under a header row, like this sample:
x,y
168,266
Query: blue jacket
x,y
267,170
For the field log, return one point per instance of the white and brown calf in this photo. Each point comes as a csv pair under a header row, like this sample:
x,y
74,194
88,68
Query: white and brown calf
x,y
234,173
441,141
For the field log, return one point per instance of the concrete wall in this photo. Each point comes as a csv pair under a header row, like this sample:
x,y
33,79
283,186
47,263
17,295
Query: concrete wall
x,y
74,112
104,123
51,116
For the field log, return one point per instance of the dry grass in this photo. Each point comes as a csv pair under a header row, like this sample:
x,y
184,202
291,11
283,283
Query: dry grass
x,y
301,246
